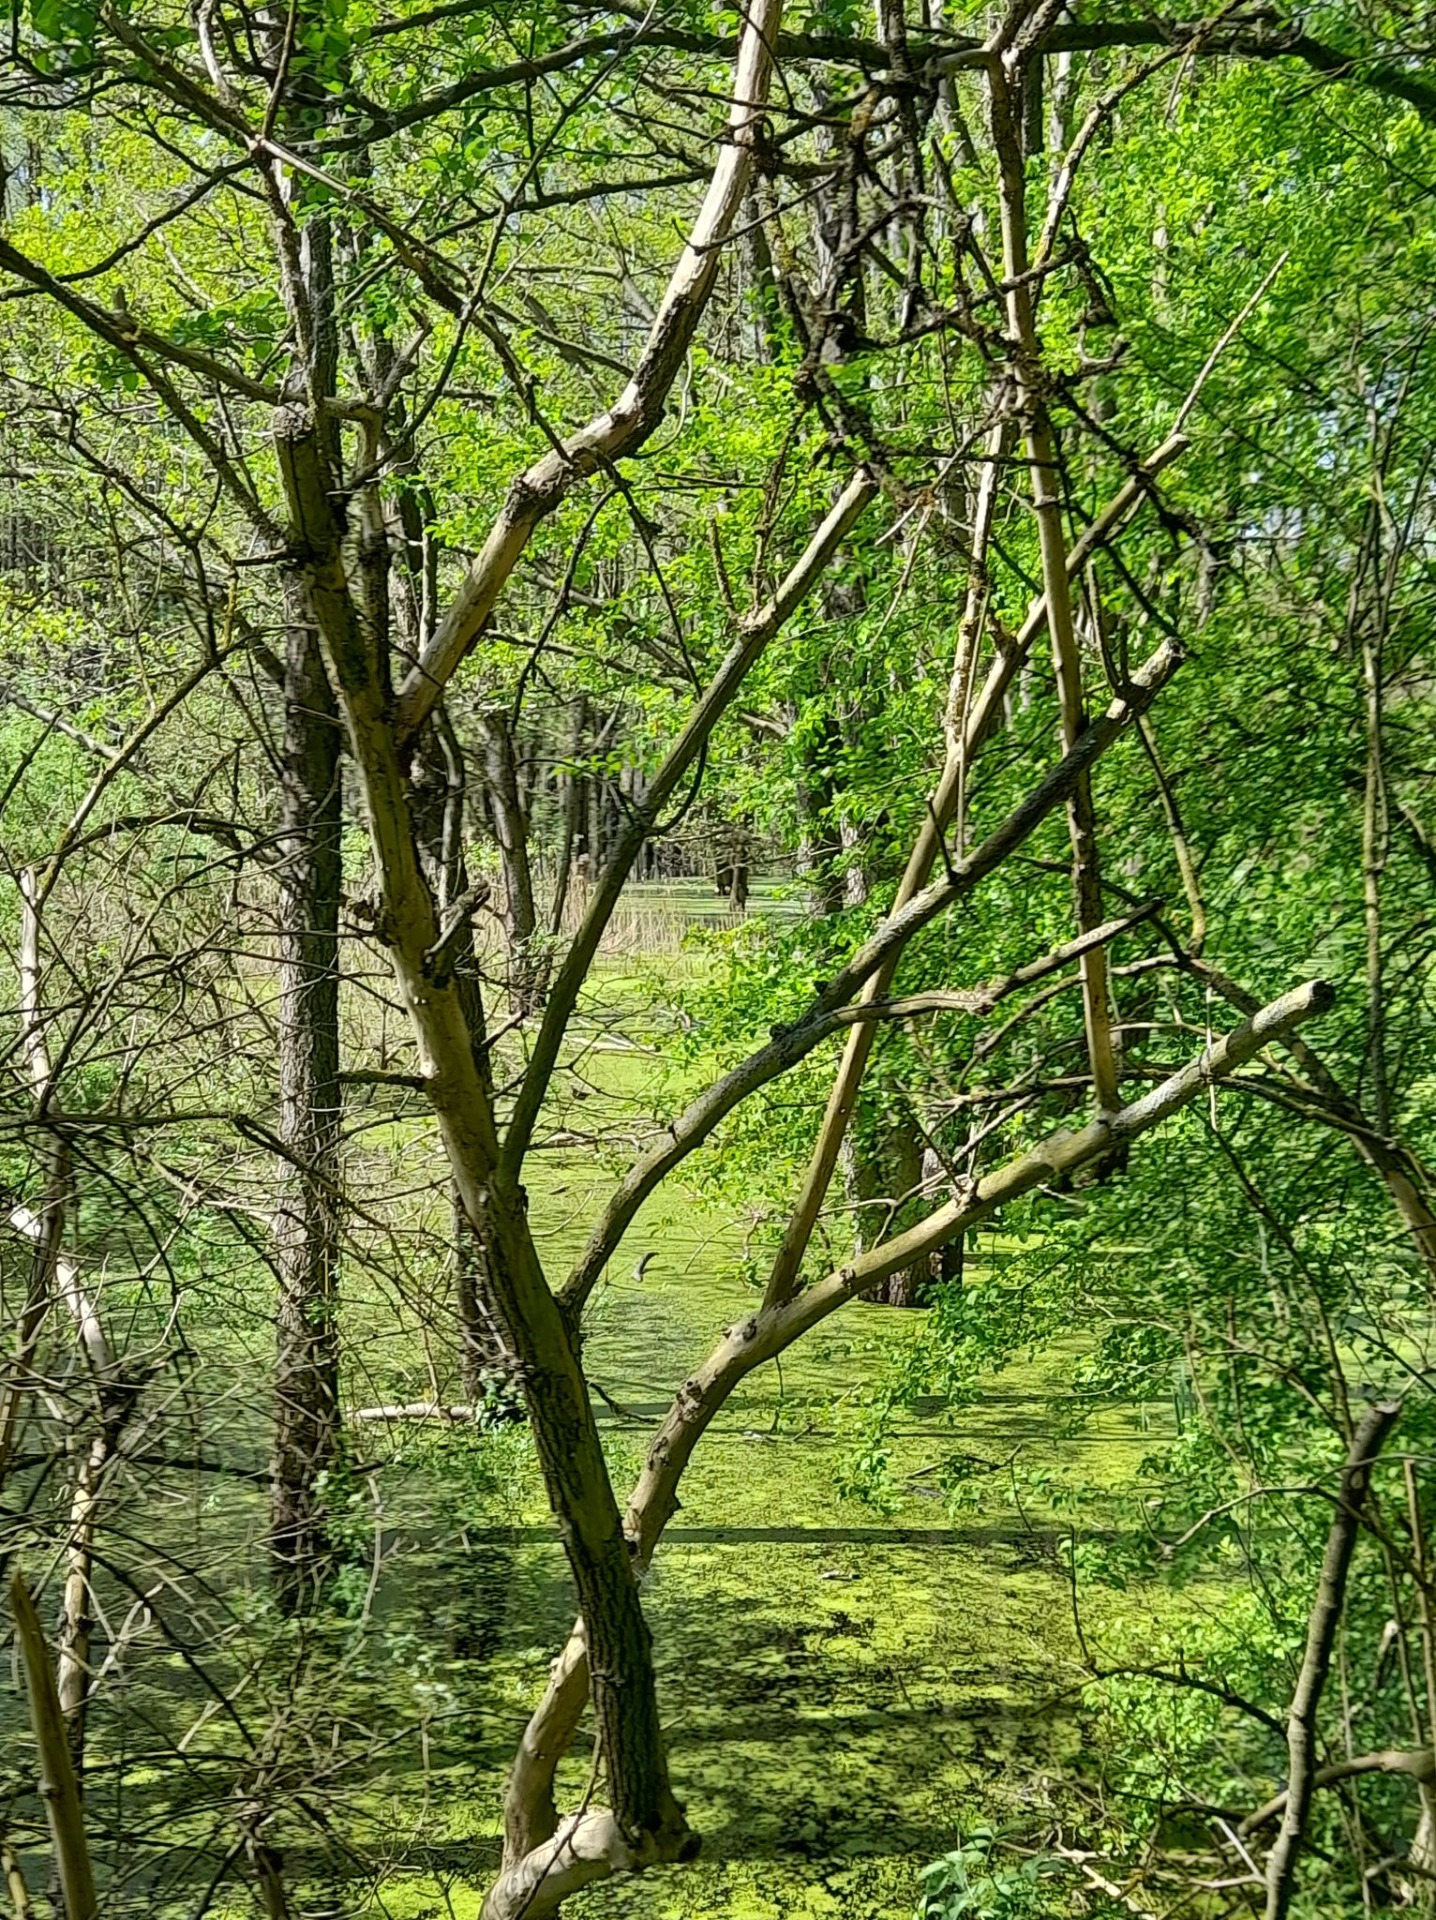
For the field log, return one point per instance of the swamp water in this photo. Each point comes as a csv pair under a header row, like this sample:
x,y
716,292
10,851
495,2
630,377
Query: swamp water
x,y
848,1685
847,1689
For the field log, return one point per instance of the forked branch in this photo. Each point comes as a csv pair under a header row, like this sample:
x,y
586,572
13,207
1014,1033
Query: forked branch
x,y
763,1335
623,427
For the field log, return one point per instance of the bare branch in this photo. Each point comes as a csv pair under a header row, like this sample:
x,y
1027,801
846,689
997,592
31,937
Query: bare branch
x,y
1366,1445
620,430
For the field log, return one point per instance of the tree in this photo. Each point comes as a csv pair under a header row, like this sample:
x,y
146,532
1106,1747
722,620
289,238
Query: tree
x,y
292,394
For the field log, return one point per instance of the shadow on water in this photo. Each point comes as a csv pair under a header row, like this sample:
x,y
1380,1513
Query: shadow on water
x,y
1036,1540
844,1689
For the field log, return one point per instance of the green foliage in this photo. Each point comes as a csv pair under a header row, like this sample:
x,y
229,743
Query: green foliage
x,y
1207,1318
976,1882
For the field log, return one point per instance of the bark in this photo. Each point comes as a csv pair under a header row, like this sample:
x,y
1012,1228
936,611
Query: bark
x,y
1423,1844
16,1885
1414,1763
44,1230
731,858
47,1228
511,835
571,789
486,1361
400,1411
1325,1617
77,1621
621,429
1006,108
59,1782
111,1399
1181,845
765,1334
307,1431
882,1170
439,801
566,1436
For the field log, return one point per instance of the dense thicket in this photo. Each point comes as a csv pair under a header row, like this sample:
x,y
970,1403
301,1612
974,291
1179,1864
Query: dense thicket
x,y
952,491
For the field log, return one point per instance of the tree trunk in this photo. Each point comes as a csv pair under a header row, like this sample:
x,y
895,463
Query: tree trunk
x,y
880,1166
439,800
306,1227
884,1161
111,1400
77,1618
59,1781
1052,542
511,834
731,857
572,796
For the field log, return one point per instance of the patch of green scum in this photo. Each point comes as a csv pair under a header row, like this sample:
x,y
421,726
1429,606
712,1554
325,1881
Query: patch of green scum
x,y
425,1897
848,1687
855,1667
845,1689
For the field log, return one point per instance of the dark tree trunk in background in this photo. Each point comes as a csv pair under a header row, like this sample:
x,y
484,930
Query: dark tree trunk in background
x,y
306,1226
572,803
732,857
511,835
882,1163
440,798
882,1158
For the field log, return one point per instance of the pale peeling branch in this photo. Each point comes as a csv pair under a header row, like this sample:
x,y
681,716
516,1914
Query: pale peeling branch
x,y
456,1412
1401,1172
588,1846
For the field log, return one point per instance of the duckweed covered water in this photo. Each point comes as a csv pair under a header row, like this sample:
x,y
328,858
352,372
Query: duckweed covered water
x,y
848,1686
853,1669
